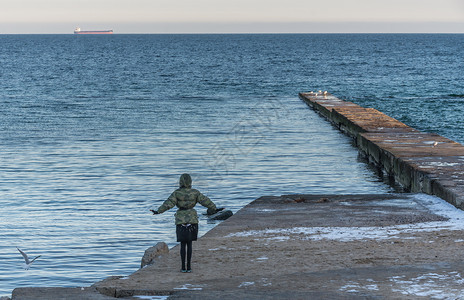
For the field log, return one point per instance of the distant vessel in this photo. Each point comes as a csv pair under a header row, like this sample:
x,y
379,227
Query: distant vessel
x,y
79,31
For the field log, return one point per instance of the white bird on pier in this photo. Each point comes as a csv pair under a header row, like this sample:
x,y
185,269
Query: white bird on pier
x,y
28,261
435,144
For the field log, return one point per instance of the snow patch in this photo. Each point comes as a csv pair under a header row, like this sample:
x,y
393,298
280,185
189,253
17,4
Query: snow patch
x,y
346,234
190,287
279,238
431,285
245,284
442,285
350,287
152,297
262,258
226,248
220,248
440,164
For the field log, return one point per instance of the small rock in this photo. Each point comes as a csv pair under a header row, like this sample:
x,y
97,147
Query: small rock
x,y
222,215
5,298
322,200
299,200
151,253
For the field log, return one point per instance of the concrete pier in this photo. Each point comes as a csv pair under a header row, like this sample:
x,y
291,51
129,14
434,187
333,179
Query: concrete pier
x,y
419,161
395,246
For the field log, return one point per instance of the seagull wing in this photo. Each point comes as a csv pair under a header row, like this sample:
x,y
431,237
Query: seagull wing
x,y
35,258
24,255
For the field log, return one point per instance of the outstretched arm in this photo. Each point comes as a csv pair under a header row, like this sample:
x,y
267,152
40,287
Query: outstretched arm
x,y
206,202
168,204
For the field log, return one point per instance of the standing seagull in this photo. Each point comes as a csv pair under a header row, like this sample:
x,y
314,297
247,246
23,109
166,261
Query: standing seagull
x,y
28,262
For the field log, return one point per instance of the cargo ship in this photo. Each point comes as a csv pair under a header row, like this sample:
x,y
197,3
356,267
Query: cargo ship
x,y
79,31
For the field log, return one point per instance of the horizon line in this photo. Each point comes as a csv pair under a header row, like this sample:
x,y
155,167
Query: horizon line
x,y
340,27
232,33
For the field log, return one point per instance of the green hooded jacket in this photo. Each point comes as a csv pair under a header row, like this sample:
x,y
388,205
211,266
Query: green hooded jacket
x,y
185,198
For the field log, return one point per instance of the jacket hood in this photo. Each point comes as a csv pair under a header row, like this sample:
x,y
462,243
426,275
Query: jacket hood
x,y
185,181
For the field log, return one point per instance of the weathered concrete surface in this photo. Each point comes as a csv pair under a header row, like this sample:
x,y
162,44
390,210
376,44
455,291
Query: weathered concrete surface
x,y
396,246
326,247
58,293
420,162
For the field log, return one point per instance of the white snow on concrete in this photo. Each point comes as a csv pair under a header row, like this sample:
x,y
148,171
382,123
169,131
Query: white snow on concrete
x,y
279,238
245,284
229,249
455,221
190,287
432,285
151,297
440,164
445,285
265,282
351,287
354,287
220,248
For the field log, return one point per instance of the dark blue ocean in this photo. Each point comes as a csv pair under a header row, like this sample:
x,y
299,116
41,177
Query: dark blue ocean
x,y
96,130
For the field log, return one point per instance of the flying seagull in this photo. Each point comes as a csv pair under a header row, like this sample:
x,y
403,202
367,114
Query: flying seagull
x,y
28,261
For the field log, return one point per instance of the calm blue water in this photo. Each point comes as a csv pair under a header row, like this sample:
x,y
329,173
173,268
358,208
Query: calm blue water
x,y
95,130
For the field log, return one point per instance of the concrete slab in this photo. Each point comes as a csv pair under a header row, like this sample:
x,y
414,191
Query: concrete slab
x,y
394,246
58,293
298,246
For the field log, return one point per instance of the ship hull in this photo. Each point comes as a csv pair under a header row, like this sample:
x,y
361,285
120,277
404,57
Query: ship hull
x,y
94,32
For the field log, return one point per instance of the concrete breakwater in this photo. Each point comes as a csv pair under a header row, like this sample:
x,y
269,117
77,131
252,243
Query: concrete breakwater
x,y
393,246
419,161
324,246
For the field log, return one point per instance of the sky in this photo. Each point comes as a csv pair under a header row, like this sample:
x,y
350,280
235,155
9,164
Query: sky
x,y
232,16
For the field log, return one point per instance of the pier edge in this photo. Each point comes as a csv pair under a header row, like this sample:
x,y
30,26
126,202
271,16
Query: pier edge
x,y
420,162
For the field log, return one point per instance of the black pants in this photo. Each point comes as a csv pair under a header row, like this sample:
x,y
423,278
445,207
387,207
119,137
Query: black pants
x,y
185,235
183,252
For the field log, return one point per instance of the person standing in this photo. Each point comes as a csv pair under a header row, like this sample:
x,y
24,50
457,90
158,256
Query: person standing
x,y
185,198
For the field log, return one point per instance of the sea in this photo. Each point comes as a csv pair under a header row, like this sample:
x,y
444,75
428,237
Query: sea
x,y
96,130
